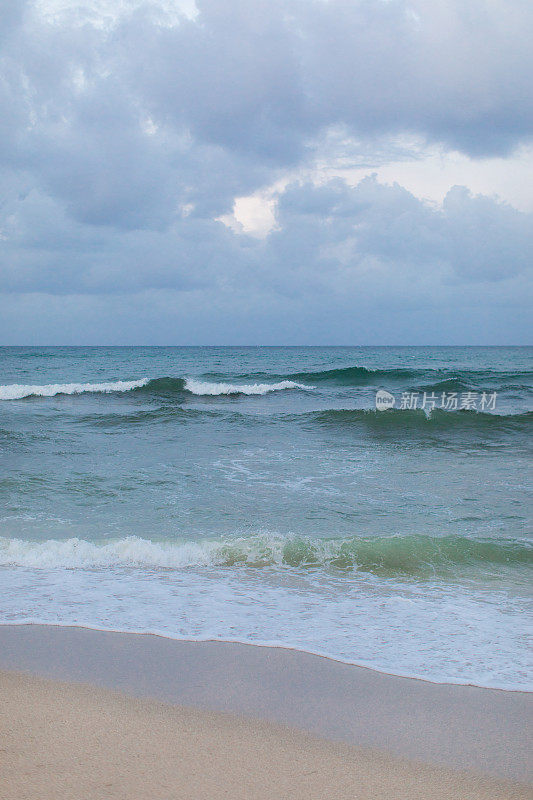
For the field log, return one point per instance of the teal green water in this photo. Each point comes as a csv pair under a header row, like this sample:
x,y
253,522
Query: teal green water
x,y
256,494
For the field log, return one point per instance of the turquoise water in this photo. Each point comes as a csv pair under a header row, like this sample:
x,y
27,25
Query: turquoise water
x,y
256,494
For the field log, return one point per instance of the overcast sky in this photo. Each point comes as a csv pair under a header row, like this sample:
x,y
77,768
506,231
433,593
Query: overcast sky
x,y
266,171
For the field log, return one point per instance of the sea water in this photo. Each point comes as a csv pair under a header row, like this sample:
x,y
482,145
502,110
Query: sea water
x,y
256,494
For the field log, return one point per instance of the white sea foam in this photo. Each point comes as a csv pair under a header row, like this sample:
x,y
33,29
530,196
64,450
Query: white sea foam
x,y
203,388
436,631
131,551
392,555
17,391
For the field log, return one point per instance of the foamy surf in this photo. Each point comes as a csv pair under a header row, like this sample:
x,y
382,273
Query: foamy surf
x,y
431,630
408,555
17,391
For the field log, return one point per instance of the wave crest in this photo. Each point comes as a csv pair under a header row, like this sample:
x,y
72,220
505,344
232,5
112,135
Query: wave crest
x,y
438,378
409,555
175,386
17,391
261,383
352,376
344,376
157,386
431,379
203,388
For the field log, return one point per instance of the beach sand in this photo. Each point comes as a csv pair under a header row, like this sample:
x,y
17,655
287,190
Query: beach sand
x,y
140,716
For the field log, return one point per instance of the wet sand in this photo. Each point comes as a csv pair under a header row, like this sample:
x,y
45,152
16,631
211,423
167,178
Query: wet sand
x,y
92,714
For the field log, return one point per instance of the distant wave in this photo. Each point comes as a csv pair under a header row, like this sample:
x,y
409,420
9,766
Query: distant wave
x,y
347,376
18,391
414,555
436,379
353,376
445,379
261,383
159,386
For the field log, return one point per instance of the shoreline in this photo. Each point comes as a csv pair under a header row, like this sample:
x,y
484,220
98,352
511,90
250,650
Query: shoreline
x,y
443,726
275,646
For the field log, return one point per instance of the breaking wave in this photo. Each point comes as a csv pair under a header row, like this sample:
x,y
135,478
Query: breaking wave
x,y
202,388
409,555
157,386
167,387
261,383
17,391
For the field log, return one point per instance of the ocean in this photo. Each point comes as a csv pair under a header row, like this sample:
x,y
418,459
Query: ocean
x,y
257,495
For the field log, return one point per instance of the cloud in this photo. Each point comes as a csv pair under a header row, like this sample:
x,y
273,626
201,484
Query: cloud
x,y
341,230
129,120
126,135
266,78
329,239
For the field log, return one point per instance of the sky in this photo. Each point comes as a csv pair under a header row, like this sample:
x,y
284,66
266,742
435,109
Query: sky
x,y
266,172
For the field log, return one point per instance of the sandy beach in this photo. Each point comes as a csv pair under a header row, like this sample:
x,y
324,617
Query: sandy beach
x,y
92,714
